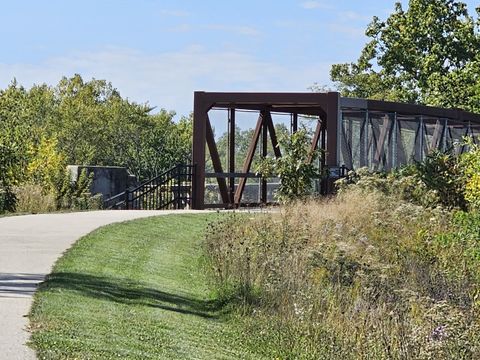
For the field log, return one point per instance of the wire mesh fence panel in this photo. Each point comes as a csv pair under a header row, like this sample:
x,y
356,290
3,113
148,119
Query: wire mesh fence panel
x,y
352,139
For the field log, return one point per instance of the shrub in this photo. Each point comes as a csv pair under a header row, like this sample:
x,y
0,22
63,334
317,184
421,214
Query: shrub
x,y
7,199
295,168
75,195
31,198
404,184
46,164
470,162
438,181
9,160
459,249
34,198
443,179
441,172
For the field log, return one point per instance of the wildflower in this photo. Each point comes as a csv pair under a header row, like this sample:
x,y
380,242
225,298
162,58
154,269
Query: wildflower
x,y
439,333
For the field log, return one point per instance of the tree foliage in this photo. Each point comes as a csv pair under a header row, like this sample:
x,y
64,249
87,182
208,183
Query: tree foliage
x,y
425,54
470,164
295,168
81,122
243,138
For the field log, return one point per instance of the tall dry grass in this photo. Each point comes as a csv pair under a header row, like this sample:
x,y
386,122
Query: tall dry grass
x,y
32,198
360,276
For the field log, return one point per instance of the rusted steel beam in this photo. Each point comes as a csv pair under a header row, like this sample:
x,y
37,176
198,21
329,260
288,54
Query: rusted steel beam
x,y
231,154
263,181
248,160
273,136
315,139
311,109
331,120
200,109
260,100
217,165
307,98
323,145
300,110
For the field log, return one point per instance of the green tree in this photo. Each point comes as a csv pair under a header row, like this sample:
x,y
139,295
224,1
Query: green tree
x,y
426,54
295,168
96,126
86,123
158,144
16,134
8,165
243,139
22,114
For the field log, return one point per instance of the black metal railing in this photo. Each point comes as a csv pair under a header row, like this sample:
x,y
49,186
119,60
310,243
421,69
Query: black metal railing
x,y
169,190
115,202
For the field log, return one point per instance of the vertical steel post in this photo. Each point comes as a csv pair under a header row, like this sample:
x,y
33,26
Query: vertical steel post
x,y
364,141
200,109
127,198
294,123
332,125
263,187
231,154
422,135
179,183
445,134
394,138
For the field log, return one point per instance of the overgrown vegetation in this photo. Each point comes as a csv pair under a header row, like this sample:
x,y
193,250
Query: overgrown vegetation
x,y
442,179
387,269
363,275
84,123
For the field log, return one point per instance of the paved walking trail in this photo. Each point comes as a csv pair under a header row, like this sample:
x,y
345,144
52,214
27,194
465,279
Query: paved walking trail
x,y
29,246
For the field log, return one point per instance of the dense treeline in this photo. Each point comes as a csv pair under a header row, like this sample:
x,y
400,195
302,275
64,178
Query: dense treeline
x,y
44,128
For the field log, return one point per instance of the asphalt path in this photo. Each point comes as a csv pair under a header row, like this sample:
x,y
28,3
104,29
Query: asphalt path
x,y
29,246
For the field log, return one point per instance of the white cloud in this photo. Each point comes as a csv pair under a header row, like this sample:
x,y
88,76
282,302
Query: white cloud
x,y
168,80
350,31
238,30
174,13
181,28
314,5
354,16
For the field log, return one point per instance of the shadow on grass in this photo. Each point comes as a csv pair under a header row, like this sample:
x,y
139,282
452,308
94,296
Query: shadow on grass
x,y
129,292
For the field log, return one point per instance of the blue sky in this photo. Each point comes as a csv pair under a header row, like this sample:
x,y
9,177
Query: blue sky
x,y
161,51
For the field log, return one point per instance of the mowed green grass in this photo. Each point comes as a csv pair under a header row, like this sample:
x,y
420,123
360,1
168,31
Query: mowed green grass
x,y
134,290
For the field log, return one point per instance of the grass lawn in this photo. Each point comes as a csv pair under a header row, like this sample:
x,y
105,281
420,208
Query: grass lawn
x,y
134,290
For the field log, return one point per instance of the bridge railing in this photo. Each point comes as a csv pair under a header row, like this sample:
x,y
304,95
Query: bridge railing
x,y
169,190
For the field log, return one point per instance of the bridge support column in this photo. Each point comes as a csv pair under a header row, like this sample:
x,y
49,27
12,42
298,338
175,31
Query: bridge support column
x,y
200,118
